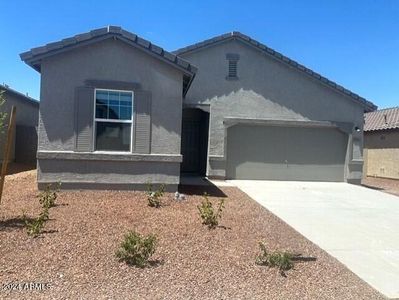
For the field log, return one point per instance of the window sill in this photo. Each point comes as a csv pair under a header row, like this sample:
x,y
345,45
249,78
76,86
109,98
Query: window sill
x,y
109,156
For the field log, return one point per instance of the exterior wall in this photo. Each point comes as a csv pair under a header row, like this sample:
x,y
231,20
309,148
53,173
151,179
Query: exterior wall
x,y
27,118
114,61
266,89
381,154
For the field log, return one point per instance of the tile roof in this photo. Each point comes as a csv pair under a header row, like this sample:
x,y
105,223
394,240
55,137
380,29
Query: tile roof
x,y
33,57
248,40
4,87
382,119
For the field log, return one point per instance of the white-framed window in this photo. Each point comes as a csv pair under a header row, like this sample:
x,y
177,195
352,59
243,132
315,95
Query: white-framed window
x,y
113,120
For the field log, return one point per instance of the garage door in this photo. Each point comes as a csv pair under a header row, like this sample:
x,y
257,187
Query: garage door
x,y
285,153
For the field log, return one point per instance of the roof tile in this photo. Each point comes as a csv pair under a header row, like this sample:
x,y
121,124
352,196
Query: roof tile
x,y
382,119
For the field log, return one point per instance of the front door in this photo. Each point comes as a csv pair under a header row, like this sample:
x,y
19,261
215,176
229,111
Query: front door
x,y
194,142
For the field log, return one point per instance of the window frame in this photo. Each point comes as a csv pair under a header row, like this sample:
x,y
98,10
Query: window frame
x,y
95,120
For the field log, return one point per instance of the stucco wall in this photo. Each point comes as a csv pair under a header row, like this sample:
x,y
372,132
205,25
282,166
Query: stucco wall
x,y
381,154
106,60
27,115
266,89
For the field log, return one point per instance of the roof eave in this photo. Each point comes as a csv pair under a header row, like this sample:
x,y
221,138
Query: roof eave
x,y
368,105
35,56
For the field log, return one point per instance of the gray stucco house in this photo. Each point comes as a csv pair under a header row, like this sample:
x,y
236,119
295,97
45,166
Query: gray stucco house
x,y
24,144
118,111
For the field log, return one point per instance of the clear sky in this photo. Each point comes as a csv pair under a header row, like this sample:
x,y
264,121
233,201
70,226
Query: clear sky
x,y
354,43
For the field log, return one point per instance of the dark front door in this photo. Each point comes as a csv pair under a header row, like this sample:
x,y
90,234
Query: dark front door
x,y
190,146
194,141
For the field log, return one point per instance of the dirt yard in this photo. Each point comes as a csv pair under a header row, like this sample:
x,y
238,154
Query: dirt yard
x,y
75,255
390,186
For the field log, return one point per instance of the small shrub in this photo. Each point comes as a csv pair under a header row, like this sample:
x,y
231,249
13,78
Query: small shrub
x,y
207,213
47,200
35,227
282,260
154,197
48,196
3,115
136,249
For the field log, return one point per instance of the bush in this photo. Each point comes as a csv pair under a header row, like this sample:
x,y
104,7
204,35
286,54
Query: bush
x,y
3,115
154,197
47,200
35,227
48,196
207,213
136,249
282,260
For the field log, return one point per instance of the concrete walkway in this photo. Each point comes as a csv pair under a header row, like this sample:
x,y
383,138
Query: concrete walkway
x,y
356,225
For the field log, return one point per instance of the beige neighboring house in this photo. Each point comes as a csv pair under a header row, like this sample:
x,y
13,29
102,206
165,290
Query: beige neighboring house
x,y
24,145
381,143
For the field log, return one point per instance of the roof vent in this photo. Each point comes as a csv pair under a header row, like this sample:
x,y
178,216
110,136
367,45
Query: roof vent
x,y
385,119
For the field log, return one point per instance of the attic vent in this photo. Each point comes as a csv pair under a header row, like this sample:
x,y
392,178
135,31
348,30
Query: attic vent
x,y
233,62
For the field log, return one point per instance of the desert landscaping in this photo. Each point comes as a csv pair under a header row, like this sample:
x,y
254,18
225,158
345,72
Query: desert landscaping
x,y
75,253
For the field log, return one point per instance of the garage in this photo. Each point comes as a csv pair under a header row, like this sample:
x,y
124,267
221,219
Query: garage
x,y
286,153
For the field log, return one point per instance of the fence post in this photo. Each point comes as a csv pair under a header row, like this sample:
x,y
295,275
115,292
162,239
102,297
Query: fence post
x,y
7,149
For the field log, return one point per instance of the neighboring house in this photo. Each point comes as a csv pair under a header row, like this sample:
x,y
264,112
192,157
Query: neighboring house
x,y
24,145
381,143
118,111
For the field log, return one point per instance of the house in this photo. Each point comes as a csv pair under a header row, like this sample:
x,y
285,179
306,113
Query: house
x,y
24,145
381,143
118,112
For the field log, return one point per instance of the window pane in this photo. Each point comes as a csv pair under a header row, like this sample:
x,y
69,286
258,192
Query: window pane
x,y
113,102
114,96
126,103
102,97
113,136
114,105
113,112
125,113
101,111
126,97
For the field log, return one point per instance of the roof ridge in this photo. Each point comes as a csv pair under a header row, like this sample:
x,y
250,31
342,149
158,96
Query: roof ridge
x,y
382,109
247,39
28,56
6,87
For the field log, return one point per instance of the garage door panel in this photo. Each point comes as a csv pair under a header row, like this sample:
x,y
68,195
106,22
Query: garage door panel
x,y
257,170
317,146
315,172
285,153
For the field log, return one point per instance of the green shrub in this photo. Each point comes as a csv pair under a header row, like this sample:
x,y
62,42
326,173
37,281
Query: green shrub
x,y
48,196
154,197
3,115
136,249
47,200
35,227
282,260
207,213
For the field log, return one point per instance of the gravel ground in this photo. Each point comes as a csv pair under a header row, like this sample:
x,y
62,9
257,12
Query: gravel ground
x,y
390,186
76,254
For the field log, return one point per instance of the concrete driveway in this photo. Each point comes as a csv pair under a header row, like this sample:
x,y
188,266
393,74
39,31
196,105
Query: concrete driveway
x,y
356,225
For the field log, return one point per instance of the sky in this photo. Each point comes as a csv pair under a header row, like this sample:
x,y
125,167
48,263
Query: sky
x,y
354,43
